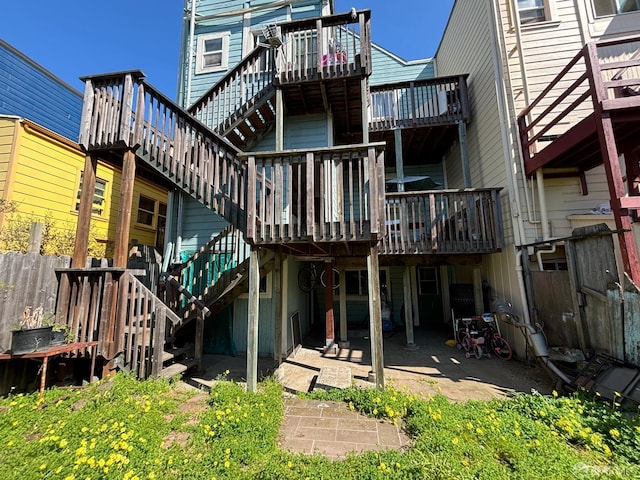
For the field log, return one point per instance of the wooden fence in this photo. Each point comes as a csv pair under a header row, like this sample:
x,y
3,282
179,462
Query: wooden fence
x,y
26,280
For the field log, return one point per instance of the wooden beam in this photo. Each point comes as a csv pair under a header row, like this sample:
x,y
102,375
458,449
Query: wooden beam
x,y
408,307
278,320
252,320
375,318
123,223
329,317
83,226
343,306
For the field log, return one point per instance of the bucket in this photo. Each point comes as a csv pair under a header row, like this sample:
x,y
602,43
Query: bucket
x,y
30,340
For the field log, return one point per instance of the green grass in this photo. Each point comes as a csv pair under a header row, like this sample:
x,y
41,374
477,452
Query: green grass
x,y
125,429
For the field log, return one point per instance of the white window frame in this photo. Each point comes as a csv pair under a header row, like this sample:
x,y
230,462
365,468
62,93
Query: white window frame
x,y
200,52
550,15
615,5
99,204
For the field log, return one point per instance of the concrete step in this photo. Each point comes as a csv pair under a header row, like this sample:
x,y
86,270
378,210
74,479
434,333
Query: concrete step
x,y
177,368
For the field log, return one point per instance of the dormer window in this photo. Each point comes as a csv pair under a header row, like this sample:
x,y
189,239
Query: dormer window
x,y
212,53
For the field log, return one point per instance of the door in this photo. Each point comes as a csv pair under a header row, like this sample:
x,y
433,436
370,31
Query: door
x,y
429,297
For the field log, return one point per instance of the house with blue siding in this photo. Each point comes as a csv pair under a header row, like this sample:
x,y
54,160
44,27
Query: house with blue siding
x,y
30,91
310,192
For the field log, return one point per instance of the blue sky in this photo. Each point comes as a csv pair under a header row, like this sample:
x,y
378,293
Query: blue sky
x,y
72,38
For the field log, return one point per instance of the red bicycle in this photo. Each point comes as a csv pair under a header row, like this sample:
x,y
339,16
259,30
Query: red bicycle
x,y
499,346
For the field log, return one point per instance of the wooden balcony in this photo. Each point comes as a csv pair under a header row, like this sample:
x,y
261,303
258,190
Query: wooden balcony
x,y
431,102
559,129
328,195
440,222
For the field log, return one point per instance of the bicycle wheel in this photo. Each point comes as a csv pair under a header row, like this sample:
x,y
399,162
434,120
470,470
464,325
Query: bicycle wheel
x,y
466,342
500,347
306,279
336,278
462,332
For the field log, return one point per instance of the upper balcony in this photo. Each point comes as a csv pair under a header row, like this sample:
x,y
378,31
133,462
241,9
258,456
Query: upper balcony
x,y
559,129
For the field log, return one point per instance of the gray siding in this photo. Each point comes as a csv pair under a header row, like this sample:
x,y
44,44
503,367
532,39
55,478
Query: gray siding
x,y
28,90
388,68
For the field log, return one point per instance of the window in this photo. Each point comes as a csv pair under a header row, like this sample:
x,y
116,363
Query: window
x,y
427,281
613,7
212,52
532,11
357,283
161,226
99,194
146,210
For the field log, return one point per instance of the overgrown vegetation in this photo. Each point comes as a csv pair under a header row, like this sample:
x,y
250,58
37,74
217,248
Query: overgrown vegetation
x,y
125,429
58,238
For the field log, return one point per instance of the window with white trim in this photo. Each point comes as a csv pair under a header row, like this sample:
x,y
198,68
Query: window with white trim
x,y
99,195
212,52
533,11
146,210
603,8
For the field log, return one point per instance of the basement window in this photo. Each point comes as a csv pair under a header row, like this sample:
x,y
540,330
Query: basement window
x,y
212,52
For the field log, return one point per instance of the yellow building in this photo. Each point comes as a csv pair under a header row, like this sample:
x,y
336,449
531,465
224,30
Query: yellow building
x,y
40,179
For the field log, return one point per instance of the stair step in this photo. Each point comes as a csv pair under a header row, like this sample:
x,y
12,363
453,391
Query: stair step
x,y
177,368
168,355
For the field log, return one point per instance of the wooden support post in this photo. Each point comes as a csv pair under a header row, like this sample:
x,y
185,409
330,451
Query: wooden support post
x,y
329,318
35,237
279,120
278,320
478,300
397,135
344,340
364,89
199,342
408,308
444,288
375,319
81,245
414,294
464,154
121,248
252,319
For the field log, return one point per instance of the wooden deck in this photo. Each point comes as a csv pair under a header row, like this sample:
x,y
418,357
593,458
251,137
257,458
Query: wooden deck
x,y
600,84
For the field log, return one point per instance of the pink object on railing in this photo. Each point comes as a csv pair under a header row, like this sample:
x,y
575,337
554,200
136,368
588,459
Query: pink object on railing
x,y
334,58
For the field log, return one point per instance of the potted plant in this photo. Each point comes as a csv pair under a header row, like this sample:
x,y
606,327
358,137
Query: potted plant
x,y
32,335
60,334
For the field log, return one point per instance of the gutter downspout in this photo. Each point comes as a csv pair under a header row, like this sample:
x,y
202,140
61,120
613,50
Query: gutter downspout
x,y
544,216
536,338
192,33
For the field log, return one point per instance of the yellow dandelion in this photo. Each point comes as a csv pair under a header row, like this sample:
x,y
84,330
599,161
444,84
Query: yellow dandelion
x,y
614,432
455,441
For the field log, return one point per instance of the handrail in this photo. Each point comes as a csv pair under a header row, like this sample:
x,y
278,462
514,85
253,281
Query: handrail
x,y
125,112
240,85
323,195
212,262
441,100
591,79
449,221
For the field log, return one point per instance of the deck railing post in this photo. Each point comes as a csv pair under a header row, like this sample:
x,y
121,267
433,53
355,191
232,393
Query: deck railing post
x,y
126,107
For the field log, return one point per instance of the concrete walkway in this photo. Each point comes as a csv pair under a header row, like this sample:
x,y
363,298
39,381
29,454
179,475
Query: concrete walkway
x,y
332,429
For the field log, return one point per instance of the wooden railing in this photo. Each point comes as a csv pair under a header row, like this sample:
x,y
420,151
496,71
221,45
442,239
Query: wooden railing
x,y
325,47
211,269
605,73
240,89
122,111
443,222
324,195
434,101
130,331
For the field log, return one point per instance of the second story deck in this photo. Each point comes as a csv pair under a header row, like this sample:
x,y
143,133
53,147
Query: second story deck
x,y
559,129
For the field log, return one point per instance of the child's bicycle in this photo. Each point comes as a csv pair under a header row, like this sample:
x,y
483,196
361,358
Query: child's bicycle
x,y
470,338
499,346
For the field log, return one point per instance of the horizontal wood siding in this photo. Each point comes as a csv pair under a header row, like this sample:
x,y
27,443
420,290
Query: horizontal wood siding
x,y
52,193
308,131
30,91
199,225
388,68
7,131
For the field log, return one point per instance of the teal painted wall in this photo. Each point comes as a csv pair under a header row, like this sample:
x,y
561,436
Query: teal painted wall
x,y
389,68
